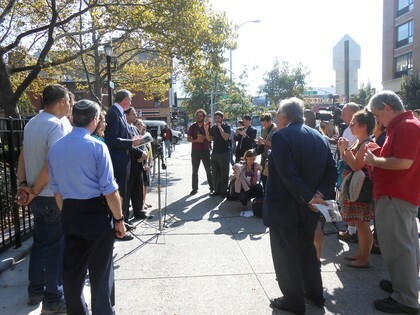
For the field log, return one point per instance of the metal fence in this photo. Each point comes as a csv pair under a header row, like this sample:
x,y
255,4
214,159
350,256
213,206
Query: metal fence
x,y
15,222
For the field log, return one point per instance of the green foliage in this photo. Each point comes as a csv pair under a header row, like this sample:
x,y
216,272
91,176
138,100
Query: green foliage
x,y
410,91
231,100
284,81
364,94
63,39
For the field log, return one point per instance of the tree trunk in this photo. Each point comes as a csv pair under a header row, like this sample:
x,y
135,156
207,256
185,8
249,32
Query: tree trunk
x,y
7,98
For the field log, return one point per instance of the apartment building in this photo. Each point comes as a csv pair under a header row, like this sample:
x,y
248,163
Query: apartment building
x,y
401,41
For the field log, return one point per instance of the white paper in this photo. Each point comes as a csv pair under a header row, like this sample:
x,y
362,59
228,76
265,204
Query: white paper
x,y
247,214
330,212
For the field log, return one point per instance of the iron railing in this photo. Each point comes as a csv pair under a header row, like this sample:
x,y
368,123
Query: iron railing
x,y
16,223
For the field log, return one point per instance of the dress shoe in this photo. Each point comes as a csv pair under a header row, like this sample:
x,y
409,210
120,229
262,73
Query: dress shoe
x,y
389,305
386,285
281,304
141,216
35,299
126,237
214,193
347,237
129,226
193,192
318,302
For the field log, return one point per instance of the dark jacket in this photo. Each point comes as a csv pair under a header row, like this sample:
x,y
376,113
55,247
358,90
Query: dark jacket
x,y
300,165
118,139
247,143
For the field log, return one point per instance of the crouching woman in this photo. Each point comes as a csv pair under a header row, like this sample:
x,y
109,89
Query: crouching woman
x,y
246,178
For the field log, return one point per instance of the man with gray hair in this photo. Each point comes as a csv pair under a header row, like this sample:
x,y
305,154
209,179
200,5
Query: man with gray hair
x,y
302,172
397,195
89,219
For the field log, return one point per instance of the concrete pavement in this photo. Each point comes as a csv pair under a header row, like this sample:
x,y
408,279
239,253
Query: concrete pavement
x,y
207,260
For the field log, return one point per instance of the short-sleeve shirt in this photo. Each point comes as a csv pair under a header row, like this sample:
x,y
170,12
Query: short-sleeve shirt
x,y
402,142
80,166
220,145
40,133
193,131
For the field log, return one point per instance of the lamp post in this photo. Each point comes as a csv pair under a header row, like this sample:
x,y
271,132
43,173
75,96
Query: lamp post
x,y
108,54
230,50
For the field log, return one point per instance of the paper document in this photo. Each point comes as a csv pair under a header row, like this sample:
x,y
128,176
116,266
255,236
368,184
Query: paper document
x,y
330,212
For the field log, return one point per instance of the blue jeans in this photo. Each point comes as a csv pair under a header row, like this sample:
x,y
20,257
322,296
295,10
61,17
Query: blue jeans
x,y
168,147
46,259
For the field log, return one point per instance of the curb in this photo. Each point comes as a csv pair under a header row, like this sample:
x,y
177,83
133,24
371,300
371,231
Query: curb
x,y
11,256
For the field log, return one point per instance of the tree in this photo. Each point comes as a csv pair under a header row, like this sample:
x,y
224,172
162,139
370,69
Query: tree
x,y
410,91
230,99
284,81
364,94
57,37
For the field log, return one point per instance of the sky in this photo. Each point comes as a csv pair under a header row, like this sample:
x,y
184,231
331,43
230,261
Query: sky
x,y
304,32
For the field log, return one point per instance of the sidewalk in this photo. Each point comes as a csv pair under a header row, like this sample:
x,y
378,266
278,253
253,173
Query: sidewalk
x,y
208,260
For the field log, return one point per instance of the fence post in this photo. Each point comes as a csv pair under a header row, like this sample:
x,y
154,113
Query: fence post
x,y
13,184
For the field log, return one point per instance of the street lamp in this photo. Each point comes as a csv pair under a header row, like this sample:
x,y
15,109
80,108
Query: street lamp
x,y
230,50
108,54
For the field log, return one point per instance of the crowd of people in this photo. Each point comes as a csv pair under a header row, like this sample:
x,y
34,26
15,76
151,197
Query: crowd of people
x,y
80,165
306,161
78,170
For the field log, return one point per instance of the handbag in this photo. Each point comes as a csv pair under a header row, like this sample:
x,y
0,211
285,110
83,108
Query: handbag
x,y
357,187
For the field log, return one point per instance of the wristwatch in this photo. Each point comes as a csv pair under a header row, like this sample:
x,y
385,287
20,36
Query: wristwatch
x,y
119,220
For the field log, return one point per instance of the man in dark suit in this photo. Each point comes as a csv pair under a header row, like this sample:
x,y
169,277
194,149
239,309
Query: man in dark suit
x,y
302,172
245,136
120,144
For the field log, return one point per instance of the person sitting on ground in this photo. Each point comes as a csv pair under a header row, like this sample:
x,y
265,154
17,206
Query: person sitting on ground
x,y
246,175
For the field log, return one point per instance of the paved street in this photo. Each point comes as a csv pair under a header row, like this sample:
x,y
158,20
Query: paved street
x,y
207,260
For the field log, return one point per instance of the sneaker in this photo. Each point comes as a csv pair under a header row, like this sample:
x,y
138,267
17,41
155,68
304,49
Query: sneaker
x,y
346,237
35,299
54,308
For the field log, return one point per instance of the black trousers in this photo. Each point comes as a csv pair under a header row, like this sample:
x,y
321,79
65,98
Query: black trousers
x,y
295,262
196,158
135,189
122,180
89,241
220,163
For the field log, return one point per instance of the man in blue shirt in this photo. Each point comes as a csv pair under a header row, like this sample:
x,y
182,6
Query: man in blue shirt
x,y
81,173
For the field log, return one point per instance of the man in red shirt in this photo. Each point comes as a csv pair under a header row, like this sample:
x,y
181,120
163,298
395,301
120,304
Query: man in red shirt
x,y
200,150
397,195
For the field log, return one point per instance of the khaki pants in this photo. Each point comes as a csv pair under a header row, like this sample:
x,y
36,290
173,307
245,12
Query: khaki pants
x,y
399,241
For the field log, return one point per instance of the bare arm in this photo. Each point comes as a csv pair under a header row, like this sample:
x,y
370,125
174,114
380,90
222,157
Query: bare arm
x,y
224,135
390,163
114,203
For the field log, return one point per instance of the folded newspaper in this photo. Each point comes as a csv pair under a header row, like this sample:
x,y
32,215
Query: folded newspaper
x,y
330,212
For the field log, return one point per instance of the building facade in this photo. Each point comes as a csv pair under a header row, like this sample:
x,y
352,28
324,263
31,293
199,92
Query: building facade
x,y
400,50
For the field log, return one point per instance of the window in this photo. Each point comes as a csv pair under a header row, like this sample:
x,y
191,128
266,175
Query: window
x,y
403,65
404,6
405,34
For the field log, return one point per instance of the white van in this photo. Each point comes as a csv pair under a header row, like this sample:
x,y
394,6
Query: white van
x,y
155,128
